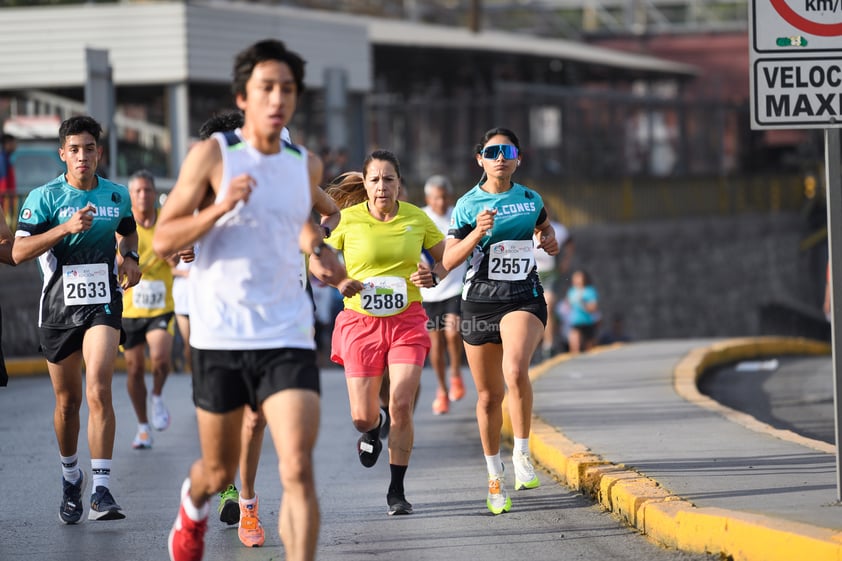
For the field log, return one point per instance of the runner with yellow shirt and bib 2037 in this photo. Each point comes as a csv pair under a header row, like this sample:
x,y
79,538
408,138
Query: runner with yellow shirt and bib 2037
x,y
148,315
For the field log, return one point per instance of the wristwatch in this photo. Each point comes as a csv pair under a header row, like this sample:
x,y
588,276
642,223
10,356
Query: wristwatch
x,y
326,230
132,255
317,251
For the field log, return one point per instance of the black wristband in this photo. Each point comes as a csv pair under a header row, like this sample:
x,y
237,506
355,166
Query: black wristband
x,y
326,230
436,279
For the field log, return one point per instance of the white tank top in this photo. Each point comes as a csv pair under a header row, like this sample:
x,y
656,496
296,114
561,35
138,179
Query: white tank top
x,y
244,289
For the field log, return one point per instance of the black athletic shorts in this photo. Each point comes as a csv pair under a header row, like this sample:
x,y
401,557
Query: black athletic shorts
x,y
437,310
226,380
587,330
481,320
58,344
137,328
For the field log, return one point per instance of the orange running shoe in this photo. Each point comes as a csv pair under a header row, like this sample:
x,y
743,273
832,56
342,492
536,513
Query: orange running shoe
x,y
251,530
457,389
441,404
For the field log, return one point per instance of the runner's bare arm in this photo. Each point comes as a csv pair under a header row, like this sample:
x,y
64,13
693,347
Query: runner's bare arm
x,y
30,247
422,277
178,226
457,251
324,263
322,203
128,270
546,232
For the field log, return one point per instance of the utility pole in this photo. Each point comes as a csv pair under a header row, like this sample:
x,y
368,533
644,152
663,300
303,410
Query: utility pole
x,y
475,17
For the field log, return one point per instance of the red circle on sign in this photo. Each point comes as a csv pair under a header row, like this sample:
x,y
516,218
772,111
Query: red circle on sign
x,y
802,23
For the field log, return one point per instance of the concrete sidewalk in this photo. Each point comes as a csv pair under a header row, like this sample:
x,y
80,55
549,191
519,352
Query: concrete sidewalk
x,y
627,427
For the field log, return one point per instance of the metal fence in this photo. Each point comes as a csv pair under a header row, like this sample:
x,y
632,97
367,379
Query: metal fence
x,y
598,156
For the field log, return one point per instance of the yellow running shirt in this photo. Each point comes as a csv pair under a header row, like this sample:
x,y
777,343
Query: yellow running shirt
x,y
382,255
152,296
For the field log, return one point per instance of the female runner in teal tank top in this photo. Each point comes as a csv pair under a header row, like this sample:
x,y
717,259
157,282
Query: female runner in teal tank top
x,y
503,307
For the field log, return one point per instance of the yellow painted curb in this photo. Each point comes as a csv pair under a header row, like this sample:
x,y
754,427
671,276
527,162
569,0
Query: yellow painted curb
x,y
665,518
750,537
26,366
694,364
38,366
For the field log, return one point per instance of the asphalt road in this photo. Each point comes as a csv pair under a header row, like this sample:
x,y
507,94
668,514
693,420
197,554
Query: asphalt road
x,y
797,395
445,482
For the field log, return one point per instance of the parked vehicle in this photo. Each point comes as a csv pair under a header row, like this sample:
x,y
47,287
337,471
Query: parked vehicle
x,y
36,162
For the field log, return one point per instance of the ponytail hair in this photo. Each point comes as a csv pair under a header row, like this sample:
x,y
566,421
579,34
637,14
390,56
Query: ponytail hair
x,y
347,189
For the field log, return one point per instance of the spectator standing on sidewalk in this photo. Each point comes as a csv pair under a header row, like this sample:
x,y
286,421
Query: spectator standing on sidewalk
x,y
504,313
442,304
80,228
583,304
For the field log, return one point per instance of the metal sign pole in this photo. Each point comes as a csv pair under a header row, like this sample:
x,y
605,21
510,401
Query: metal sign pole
x,y
833,168
789,40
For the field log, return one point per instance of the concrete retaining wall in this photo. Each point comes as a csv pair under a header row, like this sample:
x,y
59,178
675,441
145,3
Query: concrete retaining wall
x,y
706,277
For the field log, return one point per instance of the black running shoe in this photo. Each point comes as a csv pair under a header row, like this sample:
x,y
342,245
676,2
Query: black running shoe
x,y
398,505
369,447
229,505
103,506
71,509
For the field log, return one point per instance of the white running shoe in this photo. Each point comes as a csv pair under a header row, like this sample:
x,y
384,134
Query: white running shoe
x,y
525,477
160,415
498,500
142,440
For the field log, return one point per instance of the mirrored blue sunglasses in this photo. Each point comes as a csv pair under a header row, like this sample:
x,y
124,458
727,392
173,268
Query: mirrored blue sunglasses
x,y
493,152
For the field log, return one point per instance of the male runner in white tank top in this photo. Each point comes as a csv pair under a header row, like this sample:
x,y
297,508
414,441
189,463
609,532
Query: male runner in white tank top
x,y
251,324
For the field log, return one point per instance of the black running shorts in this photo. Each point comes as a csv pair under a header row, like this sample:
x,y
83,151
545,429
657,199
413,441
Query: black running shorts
x,y
226,380
137,328
58,344
437,310
481,320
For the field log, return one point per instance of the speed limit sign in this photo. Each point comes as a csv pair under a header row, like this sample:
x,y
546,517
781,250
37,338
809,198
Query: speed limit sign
x,y
796,63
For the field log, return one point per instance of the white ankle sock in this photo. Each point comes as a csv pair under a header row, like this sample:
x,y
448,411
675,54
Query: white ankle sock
x,y
70,468
101,471
521,445
193,513
494,464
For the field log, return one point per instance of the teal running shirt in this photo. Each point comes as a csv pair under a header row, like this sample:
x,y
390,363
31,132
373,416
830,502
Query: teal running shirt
x,y
501,267
80,271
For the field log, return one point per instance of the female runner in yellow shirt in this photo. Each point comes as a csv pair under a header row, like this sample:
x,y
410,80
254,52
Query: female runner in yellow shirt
x,y
383,323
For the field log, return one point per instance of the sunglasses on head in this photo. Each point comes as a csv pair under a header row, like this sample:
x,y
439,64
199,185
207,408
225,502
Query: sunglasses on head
x,y
493,152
